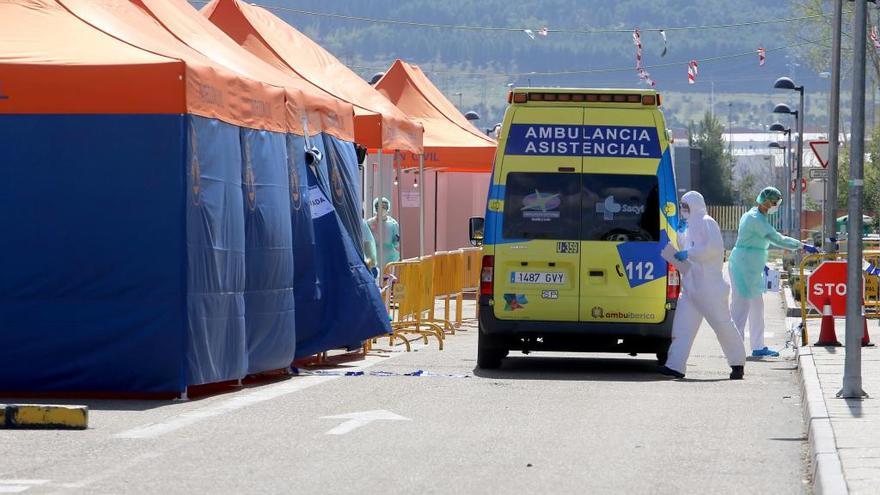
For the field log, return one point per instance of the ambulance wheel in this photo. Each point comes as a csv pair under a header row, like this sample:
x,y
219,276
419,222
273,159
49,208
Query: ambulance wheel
x,y
662,357
489,355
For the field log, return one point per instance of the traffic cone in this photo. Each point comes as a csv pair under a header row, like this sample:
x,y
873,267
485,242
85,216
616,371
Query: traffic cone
x,y
827,334
866,339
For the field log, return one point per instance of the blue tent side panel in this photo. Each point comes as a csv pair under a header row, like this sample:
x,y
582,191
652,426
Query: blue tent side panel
x,y
342,169
306,286
93,248
269,301
349,309
216,344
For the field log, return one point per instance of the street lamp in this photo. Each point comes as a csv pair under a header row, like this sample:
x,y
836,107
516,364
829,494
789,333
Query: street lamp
x,y
787,83
472,115
794,223
778,127
375,78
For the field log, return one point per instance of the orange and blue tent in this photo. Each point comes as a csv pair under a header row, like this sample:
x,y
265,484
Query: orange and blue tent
x,y
160,190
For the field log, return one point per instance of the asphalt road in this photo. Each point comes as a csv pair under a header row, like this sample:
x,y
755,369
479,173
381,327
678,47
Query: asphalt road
x,y
543,423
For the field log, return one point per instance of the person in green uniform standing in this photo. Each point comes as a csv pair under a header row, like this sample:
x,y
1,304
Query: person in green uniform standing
x,y
746,266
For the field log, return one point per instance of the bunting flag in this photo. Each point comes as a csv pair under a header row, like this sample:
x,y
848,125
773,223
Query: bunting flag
x,y
529,33
640,68
637,40
543,31
875,39
665,43
692,72
762,56
645,77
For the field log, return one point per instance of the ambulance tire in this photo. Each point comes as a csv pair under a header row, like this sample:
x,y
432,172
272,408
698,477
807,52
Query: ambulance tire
x,y
489,354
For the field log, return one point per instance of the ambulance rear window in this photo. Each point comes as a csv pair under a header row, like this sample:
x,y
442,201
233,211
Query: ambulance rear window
x,y
542,206
619,207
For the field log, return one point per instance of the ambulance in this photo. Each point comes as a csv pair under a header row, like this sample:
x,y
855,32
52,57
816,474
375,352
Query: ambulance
x,y
581,203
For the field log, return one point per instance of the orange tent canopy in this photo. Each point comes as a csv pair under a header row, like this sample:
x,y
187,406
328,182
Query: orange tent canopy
x,y
451,141
167,29
378,123
322,111
51,62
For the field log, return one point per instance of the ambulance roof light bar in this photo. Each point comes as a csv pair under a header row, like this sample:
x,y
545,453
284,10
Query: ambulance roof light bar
x,y
652,99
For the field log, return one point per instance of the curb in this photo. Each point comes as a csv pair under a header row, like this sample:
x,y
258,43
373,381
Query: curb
x,y
41,416
792,307
825,460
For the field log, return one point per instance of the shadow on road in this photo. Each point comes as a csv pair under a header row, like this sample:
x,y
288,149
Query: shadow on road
x,y
143,402
575,368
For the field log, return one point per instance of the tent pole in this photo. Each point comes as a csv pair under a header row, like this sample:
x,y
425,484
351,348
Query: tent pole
x,y
380,241
436,192
397,170
421,207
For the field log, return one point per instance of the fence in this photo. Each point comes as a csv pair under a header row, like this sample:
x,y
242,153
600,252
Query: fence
x,y
728,216
414,286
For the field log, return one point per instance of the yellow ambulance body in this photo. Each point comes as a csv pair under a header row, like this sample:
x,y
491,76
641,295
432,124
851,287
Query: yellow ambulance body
x,y
582,201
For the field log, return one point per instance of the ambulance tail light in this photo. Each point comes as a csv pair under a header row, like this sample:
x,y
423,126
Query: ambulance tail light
x,y
487,276
651,100
673,283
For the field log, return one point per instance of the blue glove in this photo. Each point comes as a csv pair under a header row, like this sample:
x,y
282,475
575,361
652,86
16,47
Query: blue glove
x,y
833,240
682,224
681,255
810,249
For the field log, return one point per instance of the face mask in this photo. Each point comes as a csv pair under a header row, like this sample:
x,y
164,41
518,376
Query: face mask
x,y
685,214
773,209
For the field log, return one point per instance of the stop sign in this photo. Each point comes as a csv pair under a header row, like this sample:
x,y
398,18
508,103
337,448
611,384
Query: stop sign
x,y
828,282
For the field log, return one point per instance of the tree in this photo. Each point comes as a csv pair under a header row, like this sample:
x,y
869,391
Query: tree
x,y
716,163
871,190
748,188
811,33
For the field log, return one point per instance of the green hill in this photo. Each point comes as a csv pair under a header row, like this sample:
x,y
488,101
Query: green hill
x,y
480,64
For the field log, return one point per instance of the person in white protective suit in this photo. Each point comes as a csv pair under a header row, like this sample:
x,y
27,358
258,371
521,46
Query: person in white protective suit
x,y
746,266
704,291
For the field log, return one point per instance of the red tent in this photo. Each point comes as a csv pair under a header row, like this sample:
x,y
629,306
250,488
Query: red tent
x,y
451,141
378,123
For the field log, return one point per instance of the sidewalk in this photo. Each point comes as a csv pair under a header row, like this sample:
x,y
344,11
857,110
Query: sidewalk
x,y
844,434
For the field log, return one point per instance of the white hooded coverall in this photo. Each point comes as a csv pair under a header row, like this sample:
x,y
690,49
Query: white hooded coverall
x,y
704,291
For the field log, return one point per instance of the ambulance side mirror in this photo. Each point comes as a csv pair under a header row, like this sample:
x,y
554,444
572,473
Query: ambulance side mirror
x,y
475,228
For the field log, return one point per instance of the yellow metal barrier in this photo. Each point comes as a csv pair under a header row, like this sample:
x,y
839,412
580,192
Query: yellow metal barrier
x,y
407,298
472,267
872,291
448,276
414,285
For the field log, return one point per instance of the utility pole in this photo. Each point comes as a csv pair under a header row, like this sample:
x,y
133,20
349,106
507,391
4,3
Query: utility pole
x,y
799,172
730,129
830,217
852,371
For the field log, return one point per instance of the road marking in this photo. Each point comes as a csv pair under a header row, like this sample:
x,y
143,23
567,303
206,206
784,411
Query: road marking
x,y
262,394
358,419
18,486
112,471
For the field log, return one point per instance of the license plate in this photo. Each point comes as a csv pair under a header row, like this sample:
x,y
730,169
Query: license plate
x,y
544,278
